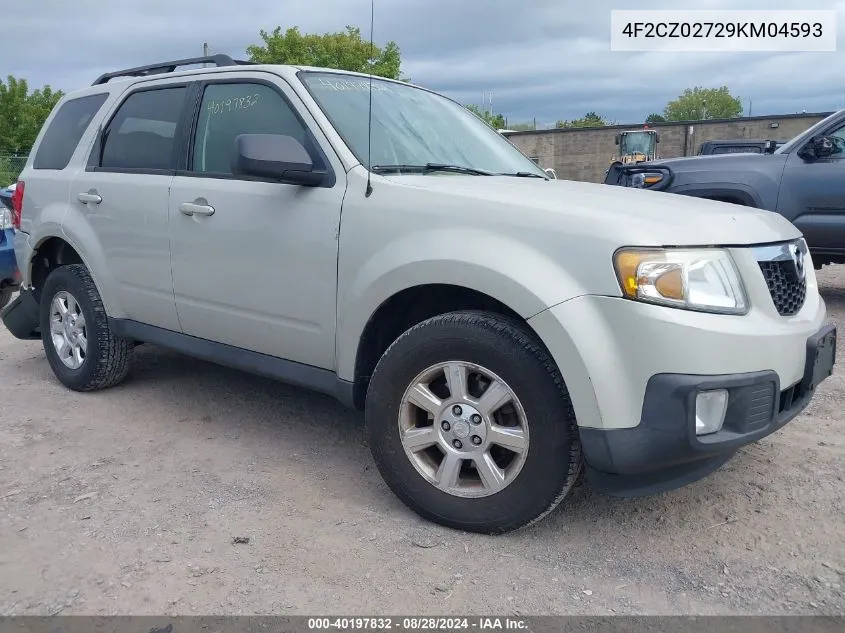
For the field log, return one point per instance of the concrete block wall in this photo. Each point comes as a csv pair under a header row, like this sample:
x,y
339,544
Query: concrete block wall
x,y
585,154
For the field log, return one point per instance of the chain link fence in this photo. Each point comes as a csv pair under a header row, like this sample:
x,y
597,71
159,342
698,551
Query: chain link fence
x,y
10,166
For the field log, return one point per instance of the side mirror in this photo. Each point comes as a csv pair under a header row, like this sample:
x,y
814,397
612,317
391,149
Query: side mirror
x,y
550,173
770,147
818,147
618,138
275,157
656,138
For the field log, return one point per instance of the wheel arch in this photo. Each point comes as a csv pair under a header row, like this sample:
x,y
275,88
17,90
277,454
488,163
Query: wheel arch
x,y
50,252
79,235
407,307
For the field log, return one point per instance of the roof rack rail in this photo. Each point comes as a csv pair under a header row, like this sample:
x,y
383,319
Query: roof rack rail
x,y
169,67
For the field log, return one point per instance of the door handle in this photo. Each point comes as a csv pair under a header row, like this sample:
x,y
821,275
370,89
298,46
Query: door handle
x,y
90,197
191,208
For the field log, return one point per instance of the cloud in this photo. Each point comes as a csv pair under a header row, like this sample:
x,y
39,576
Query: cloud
x,y
544,58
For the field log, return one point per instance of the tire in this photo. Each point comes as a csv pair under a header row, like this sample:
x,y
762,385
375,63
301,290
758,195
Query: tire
x,y
107,358
505,351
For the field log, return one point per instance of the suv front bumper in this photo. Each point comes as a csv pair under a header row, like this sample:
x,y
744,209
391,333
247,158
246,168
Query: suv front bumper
x,y
663,452
633,371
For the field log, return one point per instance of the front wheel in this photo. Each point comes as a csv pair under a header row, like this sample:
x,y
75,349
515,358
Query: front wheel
x,y
470,424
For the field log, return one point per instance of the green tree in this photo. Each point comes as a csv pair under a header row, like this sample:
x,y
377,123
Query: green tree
x,y
591,119
696,104
22,113
496,121
345,50
655,118
522,127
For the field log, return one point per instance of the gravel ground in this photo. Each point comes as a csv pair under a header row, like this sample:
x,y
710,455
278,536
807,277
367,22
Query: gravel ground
x,y
128,501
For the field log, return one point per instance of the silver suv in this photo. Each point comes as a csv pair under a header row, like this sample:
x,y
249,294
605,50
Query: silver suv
x,y
376,241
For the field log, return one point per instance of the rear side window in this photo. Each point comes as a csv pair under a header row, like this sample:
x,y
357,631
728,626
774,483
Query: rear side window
x,y
142,134
65,130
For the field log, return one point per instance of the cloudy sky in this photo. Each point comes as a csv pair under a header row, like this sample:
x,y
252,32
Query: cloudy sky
x,y
548,59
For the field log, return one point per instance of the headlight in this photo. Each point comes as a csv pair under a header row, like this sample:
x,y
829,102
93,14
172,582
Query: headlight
x,y
642,180
705,280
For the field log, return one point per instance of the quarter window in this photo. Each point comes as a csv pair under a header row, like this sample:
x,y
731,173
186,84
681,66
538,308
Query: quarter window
x,y
143,131
231,109
66,130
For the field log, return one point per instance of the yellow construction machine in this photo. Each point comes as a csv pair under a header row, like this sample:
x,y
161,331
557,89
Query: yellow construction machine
x,y
637,146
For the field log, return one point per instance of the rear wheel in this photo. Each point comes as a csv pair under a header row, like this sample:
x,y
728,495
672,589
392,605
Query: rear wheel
x,y
83,352
470,424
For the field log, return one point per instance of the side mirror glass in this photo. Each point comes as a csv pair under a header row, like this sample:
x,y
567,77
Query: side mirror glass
x,y
618,138
275,157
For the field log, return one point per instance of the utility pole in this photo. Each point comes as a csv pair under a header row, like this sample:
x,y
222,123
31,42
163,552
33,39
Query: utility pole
x,y
205,52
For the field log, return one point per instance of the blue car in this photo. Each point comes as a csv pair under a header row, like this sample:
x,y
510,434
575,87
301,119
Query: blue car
x,y
9,275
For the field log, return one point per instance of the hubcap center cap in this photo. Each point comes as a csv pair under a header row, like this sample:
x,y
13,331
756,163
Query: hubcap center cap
x,y
461,429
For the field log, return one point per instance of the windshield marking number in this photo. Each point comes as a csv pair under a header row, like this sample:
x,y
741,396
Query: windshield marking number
x,y
232,104
348,85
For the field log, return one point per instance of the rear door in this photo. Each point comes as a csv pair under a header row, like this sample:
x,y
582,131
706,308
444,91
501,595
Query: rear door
x,y
123,196
257,269
812,196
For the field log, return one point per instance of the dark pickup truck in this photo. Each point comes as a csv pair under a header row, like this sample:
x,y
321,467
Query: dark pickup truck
x,y
739,146
803,180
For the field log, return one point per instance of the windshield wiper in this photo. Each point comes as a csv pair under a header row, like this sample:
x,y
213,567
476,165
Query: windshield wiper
x,y
524,174
428,167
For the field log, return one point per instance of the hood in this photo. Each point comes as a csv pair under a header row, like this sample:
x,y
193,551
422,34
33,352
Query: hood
x,y
618,215
719,161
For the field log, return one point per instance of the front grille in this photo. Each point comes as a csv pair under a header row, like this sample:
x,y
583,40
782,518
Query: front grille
x,y
783,269
787,290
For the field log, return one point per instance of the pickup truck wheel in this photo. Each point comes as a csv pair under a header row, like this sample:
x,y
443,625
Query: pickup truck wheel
x,y
83,352
470,424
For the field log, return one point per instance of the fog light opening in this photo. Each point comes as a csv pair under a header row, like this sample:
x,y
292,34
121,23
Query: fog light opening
x,y
710,409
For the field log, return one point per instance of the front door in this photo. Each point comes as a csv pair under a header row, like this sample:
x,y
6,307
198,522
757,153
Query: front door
x,y
812,196
255,262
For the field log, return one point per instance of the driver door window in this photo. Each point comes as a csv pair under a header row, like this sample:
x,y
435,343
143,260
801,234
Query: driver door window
x,y
839,143
231,109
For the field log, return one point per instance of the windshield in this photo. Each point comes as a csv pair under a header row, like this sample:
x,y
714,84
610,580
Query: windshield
x,y
790,145
641,142
412,126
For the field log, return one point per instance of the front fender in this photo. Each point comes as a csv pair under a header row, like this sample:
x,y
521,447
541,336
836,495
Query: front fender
x,y
525,280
